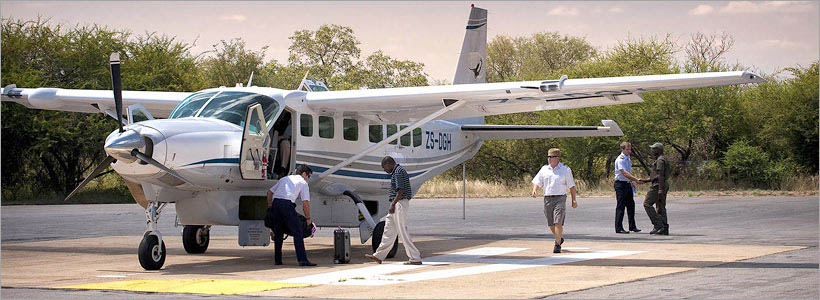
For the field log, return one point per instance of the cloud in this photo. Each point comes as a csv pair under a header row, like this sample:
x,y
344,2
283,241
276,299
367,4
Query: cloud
x,y
702,10
563,11
747,7
616,10
234,18
779,44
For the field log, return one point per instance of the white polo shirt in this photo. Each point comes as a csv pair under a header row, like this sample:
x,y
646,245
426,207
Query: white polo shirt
x,y
556,181
623,162
290,188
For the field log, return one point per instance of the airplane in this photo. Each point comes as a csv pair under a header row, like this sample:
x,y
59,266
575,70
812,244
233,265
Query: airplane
x,y
215,152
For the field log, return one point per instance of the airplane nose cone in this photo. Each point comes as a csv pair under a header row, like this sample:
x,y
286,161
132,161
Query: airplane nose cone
x,y
120,145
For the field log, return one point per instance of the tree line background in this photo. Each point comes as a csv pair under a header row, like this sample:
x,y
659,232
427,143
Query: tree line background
x,y
748,136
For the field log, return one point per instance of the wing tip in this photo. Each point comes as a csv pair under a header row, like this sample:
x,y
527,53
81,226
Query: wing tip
x,y
615,130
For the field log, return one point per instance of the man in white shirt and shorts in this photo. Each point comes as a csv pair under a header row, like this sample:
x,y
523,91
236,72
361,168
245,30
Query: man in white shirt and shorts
x,y
556,179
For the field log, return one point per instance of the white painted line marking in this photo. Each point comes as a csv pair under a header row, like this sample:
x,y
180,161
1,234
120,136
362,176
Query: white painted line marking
x,y
380,274
574,248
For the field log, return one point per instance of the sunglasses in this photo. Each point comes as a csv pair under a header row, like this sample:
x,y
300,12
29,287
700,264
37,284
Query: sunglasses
x,y
552,156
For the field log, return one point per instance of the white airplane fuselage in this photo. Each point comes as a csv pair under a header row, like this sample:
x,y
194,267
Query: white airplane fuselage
x,y
206,151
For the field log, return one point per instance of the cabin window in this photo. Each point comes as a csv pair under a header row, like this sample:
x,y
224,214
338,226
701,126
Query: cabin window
x,y
405,139
306,125
416,137
391,130
376,133
350,129
326,127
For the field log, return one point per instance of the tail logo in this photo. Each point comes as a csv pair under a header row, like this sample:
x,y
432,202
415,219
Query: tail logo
x,y
477,69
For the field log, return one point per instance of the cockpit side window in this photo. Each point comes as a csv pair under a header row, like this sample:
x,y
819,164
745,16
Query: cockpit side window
x,y
191,105
226,106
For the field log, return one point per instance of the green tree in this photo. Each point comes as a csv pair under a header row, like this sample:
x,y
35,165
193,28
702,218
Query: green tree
x,y
536,57
229,62
328,52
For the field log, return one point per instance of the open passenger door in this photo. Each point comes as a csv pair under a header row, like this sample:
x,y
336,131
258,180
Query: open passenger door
x,y
253,159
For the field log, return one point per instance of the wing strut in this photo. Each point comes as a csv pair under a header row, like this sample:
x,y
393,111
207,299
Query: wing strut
x,y
449,104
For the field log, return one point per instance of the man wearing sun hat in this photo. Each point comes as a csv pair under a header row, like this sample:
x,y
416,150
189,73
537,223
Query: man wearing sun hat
x,y
655,201
556,179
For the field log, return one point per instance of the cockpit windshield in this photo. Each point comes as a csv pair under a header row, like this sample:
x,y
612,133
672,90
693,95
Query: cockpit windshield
x,y
224,105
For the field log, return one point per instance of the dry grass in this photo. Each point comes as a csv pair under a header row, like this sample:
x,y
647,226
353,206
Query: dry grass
x,y
680,187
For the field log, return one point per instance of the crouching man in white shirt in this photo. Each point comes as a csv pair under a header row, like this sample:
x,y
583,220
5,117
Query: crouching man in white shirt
x,y
556,179
282,197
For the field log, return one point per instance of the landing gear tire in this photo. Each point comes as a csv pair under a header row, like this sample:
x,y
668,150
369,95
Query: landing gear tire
x,y
377,239
195,239
151,258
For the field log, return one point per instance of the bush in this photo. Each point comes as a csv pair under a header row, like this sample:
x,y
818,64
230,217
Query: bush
x,y
782,170
745,163
712,169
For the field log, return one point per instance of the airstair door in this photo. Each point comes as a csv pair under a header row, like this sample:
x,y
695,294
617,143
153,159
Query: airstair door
x,y
254,158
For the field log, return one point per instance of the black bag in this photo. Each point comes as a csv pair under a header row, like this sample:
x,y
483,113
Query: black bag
x,y
270,218
341,246
270,222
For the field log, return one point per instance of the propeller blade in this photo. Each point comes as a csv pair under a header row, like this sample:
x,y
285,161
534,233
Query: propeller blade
x,y
117,82
155,163
103,165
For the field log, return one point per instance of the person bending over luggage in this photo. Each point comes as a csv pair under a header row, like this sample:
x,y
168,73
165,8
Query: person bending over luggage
x,y
282,197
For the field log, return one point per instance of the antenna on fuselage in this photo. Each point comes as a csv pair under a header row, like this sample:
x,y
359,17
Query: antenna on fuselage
x,y
302,83
250,80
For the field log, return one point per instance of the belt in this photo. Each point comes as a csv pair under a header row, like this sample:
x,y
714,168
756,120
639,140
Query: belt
x,y
621,181
286,200
564,195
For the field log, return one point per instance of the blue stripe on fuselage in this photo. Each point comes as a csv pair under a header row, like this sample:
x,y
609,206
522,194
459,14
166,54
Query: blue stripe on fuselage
x,y
360,174
217,161
347,173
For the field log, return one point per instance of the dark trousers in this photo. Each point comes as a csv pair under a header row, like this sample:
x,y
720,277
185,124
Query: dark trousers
x,y
655,206
287,222
623,193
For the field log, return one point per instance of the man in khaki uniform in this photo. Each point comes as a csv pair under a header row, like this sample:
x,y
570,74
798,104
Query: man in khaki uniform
x,y
655,201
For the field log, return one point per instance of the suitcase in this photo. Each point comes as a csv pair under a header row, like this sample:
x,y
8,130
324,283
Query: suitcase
x,y
341,246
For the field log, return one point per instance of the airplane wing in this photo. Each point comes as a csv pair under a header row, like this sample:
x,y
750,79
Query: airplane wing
x,y
401,105
159,104
517,132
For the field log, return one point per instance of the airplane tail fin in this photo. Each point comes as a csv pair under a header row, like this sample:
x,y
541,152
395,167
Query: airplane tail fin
x,y
471,68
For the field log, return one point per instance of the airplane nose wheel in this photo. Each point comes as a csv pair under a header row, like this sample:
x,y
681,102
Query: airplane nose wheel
x,y
150,255
196,238
377,239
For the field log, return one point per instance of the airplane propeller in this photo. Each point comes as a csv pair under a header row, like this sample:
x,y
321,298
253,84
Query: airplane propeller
x,y
155,163
102,166
117,82
125,140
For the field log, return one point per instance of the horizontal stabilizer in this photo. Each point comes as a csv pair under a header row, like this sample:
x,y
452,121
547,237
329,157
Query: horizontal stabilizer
x,y
517,132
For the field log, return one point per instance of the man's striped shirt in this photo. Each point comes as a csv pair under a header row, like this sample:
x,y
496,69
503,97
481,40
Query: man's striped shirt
x,y
399,180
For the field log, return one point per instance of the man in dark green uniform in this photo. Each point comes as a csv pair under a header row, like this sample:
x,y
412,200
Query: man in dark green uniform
x,y
655,202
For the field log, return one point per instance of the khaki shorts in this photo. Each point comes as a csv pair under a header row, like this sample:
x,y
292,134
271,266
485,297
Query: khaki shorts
x,y
555,209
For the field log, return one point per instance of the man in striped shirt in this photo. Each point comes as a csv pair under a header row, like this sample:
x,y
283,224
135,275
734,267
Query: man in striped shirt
x,y
395,223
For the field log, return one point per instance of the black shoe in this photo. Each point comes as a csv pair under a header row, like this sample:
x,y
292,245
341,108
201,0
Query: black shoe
x,y
665,230
306,264
655,231
635,230
557,249
278,263
621,231
562,241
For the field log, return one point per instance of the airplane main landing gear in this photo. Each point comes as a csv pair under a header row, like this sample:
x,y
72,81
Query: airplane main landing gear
x,y
377,239
195,238
152,249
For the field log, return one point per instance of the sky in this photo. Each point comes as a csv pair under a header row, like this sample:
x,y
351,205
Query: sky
x,y
768,35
